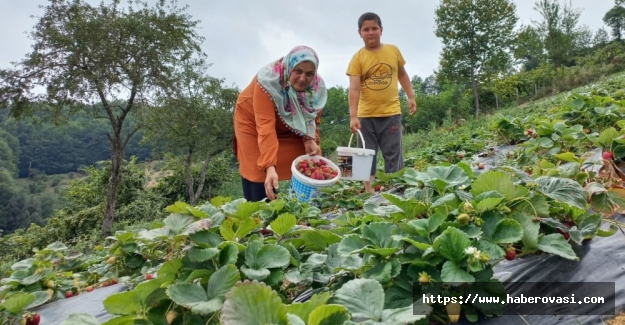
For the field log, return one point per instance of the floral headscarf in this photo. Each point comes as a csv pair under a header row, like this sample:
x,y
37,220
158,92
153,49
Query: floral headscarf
x,y
297,109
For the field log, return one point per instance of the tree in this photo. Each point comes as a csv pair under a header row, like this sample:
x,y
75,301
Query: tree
x,y
334,127
528,50
85,54
600,38
197,116
615,19
476,34
558,31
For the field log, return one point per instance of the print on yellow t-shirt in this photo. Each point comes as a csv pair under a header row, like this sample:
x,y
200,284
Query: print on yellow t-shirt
x,y
378,71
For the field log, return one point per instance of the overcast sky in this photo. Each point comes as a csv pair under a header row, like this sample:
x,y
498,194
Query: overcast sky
x,y
243,35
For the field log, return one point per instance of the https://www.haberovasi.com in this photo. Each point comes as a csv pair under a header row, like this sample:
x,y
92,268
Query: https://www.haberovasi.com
x,y
510,299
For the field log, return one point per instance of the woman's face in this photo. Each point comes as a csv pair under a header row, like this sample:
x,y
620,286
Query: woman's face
x,y
302,76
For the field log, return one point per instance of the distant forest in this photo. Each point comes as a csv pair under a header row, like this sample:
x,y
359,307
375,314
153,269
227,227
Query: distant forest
x,y
51,149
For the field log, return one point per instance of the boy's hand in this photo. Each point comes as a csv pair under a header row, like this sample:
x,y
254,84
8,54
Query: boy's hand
x,y
354,124
413,105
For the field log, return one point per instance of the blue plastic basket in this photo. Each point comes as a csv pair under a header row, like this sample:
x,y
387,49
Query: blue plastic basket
x,y
303,192
306,189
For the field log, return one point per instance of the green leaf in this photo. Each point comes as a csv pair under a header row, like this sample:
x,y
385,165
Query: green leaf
x,y
23,264
380,234
351,243
260,258
80,319
587,226
381,211
530,230
563,190
283,223
328,315
410,207
415,243
228,255
304,309
452,274
176,222
319,239
404,315
123,303
557,245
206,238
16,303
419,227
222,280
250,303
607,136
197,254
535,205
246,226
507,231
545,142
382,252
127,320
568,157
194,297
494,181
494,251
488,204
380,272
362,297
41,297
451,244
607,201
294,319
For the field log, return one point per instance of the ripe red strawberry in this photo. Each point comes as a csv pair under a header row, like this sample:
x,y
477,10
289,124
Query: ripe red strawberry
x,y
511,254
148,276
33,320
69,294
564,234
114,281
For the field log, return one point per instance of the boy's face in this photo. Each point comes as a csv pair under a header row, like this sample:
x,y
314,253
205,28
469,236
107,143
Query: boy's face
x,y
370,33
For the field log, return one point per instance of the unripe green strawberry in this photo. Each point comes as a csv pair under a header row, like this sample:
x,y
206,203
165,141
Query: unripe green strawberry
x,y
424,278
463,218
453,311
467,207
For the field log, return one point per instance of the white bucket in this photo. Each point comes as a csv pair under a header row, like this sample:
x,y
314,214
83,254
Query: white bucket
x,y
355,163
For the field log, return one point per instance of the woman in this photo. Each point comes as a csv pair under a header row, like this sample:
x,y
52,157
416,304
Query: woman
x,y
276,120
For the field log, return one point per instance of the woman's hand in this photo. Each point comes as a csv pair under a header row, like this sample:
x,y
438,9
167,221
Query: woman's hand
x,y
312,148
271,183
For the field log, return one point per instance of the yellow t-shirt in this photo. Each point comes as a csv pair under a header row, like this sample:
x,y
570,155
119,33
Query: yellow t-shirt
x,y
378,71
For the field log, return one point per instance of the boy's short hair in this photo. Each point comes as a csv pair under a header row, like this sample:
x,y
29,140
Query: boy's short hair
x,y
369,16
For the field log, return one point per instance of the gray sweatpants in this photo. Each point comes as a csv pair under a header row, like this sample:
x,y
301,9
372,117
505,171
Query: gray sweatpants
x,y
385,134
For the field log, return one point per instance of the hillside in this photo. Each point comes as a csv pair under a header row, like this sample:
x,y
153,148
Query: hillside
x,y
542,191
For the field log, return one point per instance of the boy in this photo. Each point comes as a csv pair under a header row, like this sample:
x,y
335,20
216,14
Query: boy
x,y
374,97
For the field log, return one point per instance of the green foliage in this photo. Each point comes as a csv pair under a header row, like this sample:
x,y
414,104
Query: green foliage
x,y
477,35
81,141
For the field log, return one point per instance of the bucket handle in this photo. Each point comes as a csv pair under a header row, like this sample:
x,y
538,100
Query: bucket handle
x,y
361,138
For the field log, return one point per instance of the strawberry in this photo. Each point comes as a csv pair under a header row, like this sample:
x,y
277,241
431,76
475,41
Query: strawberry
x,y
608,155
148,276
511,254
69,294
33,320
564,234
114,281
